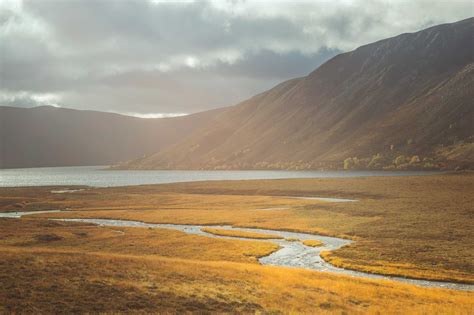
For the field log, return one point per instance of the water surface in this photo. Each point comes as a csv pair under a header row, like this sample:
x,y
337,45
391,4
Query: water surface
x,y
99,176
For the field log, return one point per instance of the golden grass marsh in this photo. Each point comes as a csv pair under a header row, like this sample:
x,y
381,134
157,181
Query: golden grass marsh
x,y
52,268
86,237
418,227
420,221
242,234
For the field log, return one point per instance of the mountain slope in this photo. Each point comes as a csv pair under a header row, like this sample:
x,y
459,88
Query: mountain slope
x,y
48,136
403,102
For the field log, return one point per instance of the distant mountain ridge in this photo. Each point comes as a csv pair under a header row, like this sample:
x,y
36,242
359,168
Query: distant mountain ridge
x,y
399,103
49,136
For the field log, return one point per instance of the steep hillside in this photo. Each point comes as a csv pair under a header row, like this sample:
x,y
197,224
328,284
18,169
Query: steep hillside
x,y
48,136
403,102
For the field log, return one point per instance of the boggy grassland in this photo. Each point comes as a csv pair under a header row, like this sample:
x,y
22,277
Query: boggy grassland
x,y
58,267
412,226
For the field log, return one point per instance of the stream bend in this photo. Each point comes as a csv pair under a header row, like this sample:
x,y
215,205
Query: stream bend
x,y
291,253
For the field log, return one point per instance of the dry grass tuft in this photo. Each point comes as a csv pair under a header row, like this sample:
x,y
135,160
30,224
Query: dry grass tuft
x,y
242,234
313,243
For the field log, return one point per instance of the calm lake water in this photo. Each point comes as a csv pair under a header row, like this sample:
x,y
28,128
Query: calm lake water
x,y
98,176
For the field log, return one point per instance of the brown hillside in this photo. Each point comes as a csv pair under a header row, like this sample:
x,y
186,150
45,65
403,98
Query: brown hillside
x,y
408,97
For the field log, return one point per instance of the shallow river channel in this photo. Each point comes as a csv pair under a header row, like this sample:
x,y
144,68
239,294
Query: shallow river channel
x,y
291,253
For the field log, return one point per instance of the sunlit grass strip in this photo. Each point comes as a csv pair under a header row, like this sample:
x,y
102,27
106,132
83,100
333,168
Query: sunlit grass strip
x,y
391,269
313,243
243,234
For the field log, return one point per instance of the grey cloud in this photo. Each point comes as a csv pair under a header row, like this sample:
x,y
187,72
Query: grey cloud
x,y
131,56
190,91
19,101
269,64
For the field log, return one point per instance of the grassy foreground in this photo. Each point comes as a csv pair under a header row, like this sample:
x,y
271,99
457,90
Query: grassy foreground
x,y
57,267
417,226
411,226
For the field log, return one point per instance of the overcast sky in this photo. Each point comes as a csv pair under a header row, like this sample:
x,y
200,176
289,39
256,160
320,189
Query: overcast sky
x,y
166,58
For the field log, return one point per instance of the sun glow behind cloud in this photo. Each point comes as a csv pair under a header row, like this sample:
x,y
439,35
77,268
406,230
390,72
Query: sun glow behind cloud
x,y
47,99
156,115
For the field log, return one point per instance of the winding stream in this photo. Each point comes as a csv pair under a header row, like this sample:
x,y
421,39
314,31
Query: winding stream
x,y
291,253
